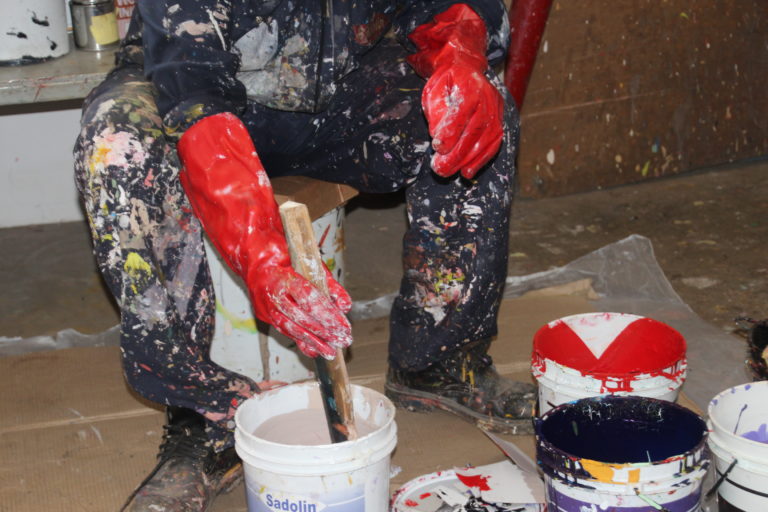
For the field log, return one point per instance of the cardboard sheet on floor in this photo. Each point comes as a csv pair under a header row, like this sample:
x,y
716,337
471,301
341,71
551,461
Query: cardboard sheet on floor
x,y
73,437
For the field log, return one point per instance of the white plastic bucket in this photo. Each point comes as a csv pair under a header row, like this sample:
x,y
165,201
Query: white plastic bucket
x,y
607,353
352,476
622,454
256,350
33,31
734,413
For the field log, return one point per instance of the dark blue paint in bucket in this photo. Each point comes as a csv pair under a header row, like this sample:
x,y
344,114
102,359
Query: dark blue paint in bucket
x,y
622,453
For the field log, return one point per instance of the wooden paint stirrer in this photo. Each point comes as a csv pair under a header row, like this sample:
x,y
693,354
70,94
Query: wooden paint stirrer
x,y
331,375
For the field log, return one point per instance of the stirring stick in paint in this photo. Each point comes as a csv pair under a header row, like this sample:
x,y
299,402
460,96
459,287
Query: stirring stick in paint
x,y
332,375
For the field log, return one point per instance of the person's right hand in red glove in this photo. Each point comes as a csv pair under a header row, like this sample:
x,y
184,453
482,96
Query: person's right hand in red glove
x,y
231,195
463,109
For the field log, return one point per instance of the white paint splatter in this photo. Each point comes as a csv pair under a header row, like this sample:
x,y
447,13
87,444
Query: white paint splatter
x,y
193,28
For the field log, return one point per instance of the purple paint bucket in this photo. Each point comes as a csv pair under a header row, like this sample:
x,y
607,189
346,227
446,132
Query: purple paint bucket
x,y
622,454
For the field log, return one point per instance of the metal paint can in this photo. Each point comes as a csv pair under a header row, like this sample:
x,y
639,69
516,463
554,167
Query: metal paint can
x,y
33,31
94,24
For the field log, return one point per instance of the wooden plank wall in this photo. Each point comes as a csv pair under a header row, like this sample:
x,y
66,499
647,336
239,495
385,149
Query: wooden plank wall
x,y
630,90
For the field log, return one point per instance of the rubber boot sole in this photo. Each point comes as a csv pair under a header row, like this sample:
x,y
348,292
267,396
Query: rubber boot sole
x,y
423,401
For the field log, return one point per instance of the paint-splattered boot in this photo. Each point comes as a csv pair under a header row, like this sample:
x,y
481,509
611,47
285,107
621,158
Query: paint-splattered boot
x,y
189,473
467,384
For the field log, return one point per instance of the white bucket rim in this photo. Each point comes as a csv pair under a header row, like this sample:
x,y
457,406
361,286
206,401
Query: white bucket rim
x,y
744,462
680,367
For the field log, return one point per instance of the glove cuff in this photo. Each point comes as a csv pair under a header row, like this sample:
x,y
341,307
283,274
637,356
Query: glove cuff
x,y
455,37
214,137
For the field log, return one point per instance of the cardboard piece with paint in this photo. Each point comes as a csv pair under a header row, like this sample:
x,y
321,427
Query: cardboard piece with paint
x,y
498,487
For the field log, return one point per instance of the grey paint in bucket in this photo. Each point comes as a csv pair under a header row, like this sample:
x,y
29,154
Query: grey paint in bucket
x,y
628,454
352,476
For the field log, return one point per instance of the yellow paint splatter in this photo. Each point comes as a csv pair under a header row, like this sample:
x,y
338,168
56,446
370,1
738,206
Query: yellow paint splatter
x,y
241,324
135,266
194,112
99,156
601,471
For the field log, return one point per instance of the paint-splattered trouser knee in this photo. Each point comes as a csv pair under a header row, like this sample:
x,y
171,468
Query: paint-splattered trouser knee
x,y
374,137
148,247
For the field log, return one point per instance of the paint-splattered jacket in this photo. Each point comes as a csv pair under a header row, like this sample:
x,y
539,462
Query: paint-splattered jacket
x,y
210,56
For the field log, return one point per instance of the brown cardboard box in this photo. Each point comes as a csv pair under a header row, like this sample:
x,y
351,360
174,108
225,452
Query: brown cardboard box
x,y
320,197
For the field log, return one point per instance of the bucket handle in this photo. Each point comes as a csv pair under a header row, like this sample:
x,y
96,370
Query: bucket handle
x,y
720,480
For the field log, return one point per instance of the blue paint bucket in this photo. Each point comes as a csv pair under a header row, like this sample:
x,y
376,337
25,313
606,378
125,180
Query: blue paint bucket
x,y
622,454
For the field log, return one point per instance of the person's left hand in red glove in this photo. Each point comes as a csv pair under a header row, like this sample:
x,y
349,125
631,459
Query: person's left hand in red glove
x,y
463,109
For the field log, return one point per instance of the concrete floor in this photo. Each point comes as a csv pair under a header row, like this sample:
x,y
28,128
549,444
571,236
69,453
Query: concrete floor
x,y
708,229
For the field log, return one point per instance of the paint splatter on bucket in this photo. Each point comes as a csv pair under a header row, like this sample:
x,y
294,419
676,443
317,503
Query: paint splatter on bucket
x,y
738,420
352,476
622,454
607,353
33,31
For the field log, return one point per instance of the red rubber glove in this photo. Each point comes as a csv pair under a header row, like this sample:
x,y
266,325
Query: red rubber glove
x,y
463,109
231,195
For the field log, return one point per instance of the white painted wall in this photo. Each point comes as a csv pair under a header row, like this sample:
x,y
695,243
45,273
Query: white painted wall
x,y
36,178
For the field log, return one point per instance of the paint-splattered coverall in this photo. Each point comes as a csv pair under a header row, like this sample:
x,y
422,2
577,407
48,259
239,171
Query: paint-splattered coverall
x,y
325,91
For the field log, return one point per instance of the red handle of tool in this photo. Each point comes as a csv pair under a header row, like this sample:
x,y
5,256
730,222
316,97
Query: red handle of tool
x,y
527,19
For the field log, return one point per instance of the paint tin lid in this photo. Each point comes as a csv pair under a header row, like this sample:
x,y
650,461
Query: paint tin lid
x,y
422,494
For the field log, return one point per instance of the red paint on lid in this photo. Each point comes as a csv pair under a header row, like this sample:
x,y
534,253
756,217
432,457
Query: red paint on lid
x,y
643,346
479,481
